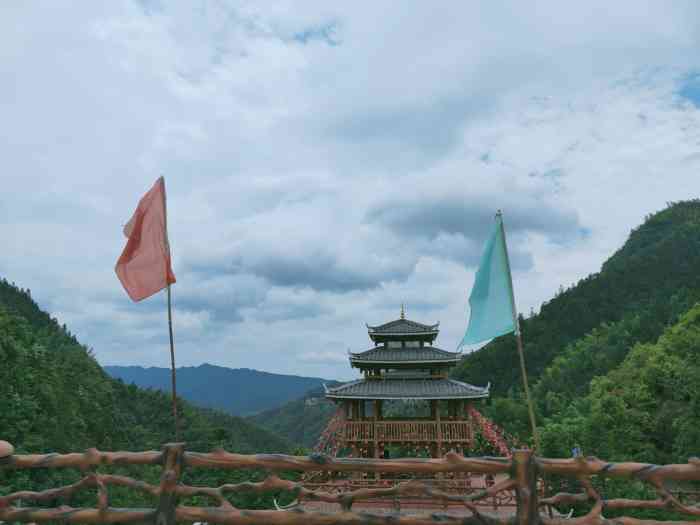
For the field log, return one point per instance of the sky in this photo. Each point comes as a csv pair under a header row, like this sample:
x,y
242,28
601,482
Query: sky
x,y
326,162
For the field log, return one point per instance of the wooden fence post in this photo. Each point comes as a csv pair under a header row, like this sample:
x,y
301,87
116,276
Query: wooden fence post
x,y
525,475
6,449
173,465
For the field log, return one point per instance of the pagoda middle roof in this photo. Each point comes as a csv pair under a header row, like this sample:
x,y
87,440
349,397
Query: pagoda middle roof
x,y
403,327
382,354
407,389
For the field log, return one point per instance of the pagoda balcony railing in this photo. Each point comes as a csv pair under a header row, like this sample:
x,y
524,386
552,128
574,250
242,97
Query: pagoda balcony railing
x,y
407,431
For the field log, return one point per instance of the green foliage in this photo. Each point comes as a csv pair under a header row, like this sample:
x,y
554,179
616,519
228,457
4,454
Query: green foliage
x,y
647,408
298,422
54,397
655,272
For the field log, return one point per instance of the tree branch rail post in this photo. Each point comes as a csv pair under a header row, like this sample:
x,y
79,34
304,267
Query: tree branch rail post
x,y
519,475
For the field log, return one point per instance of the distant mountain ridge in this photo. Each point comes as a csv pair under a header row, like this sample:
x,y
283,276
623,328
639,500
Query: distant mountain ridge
x,y
238,391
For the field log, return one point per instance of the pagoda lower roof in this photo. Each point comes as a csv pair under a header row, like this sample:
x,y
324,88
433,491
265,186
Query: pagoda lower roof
x,y
407,389
422,355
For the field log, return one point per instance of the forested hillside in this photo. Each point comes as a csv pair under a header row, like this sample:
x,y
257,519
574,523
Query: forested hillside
x,y
238,391
654,275
589,346
647,409
54,395
300,421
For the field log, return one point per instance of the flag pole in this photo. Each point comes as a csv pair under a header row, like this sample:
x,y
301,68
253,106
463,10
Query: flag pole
x,y
170,326
172,368
519,339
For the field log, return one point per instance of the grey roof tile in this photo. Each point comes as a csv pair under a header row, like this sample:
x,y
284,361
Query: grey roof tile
x,y
407,389
392,355
403,326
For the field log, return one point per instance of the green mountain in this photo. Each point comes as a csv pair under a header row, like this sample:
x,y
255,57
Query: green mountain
x,y
55,396
239,391
646,409
300,421
587,336
646,285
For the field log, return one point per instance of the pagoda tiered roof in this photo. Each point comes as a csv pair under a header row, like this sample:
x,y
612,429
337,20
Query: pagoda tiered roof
x,y
403,329
407,389
404,365
425,355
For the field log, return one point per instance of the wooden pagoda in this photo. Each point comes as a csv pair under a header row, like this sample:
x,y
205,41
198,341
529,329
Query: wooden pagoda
x,y
404,366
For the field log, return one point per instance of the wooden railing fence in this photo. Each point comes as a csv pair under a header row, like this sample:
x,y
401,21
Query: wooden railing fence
x,y
518,474
402,431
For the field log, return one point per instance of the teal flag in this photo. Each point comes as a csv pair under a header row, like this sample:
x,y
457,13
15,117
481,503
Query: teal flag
x,y
491,301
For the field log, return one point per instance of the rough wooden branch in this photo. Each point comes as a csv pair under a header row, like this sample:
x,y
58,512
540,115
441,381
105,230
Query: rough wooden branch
x,y
671,500
525,478
591,466
48,495
523,468
102,495
345,499
86,460
565,498
169,480
295,517
6,450
91,480
261,517
452,462
73,515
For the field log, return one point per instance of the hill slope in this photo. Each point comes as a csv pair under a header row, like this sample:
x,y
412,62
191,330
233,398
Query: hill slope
x,y
653,278
646,409
239,391
55,396
300,421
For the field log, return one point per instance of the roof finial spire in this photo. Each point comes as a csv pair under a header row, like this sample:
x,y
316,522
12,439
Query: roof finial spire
x,y
403,313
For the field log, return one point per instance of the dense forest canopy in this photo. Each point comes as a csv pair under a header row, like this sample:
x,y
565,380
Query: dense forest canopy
x,y
55,397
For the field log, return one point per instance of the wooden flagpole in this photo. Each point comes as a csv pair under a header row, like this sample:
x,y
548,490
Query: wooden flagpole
x,y
172,368
170,328
519,339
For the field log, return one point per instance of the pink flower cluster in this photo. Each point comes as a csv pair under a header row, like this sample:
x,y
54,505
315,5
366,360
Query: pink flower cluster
x,y
328,442
490,431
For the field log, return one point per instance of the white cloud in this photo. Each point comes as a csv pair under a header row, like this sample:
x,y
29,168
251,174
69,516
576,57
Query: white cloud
x,y
318,159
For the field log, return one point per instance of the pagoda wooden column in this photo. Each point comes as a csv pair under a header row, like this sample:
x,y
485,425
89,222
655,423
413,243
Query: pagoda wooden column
x,y
435,414
376,408
468,417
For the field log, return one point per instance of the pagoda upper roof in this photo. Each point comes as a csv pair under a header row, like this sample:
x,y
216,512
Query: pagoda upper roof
x,y
403,327
407,389
422,355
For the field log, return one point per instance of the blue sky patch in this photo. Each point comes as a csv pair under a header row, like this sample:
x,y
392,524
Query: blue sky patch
x,y
327,33
690,89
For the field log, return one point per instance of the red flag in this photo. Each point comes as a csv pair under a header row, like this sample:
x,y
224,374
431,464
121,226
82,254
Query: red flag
x,y
144,266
